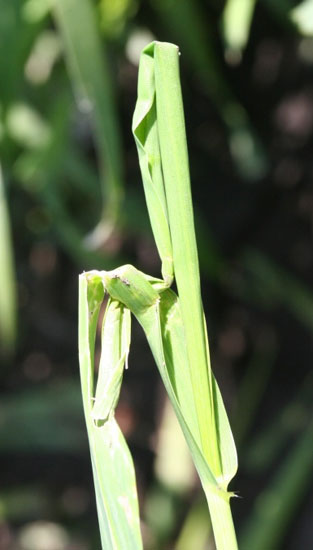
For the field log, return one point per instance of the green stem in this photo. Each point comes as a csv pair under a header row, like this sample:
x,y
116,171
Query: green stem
x,y
222,522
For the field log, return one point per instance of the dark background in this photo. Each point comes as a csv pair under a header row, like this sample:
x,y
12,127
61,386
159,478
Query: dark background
x,y
249,121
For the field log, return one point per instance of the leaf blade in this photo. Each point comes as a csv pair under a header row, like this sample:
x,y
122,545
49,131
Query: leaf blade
x,y
112,464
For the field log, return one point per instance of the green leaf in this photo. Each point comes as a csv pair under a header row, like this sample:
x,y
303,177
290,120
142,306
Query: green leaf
x,y
145,132
161,319
112,465
201,413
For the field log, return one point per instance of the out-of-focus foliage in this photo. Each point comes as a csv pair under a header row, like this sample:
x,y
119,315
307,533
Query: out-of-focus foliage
x,y
249,113
92,83
115,15
237,17
302,15
7,280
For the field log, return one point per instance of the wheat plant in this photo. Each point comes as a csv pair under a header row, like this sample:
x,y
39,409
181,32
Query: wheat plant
x,y
174,324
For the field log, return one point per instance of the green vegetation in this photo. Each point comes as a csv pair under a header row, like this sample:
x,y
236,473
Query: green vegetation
x,y
174,325
71,200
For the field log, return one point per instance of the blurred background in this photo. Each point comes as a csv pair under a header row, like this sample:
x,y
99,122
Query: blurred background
x,y
71,199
